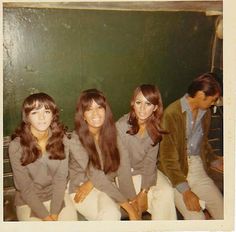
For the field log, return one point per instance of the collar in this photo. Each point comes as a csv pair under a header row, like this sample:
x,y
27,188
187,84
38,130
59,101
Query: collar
x,y
185,106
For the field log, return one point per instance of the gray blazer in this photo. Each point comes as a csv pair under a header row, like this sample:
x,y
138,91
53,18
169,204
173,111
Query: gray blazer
x,y
142,155
80,172
40,181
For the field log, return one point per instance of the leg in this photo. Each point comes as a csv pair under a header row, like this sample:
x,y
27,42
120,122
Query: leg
x,y
68,213
161,199
98,206
88,208
107,209
23,214
207,191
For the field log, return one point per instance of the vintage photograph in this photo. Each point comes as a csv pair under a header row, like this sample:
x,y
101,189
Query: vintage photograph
x,y
114,111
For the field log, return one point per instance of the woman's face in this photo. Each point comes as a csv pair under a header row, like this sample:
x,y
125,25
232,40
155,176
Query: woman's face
x,y
40,119
143,108
94,116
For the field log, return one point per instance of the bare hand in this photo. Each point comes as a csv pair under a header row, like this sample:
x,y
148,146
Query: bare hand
x,y
218,164
48,218
142,202
83,191
191,201
130,209
54,217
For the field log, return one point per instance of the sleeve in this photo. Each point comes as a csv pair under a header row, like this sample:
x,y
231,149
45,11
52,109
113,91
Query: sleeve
x,y
210,155
125,180
80,157
149,176
24,184
103,184
59,183
169,155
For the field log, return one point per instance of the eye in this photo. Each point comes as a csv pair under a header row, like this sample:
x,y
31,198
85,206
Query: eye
x,y
138,102
148,103
33,112
48,112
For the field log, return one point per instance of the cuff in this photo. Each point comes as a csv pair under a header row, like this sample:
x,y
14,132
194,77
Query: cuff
x,y
182,187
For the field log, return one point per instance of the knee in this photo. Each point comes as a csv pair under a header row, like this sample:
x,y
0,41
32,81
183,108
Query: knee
x,y
165,191
110,214
192,215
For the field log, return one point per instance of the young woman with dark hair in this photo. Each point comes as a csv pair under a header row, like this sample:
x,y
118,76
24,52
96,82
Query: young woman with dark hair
x,y
39,159
141,133
96,161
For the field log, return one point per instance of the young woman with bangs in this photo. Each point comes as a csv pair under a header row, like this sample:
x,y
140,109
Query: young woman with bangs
x,y
140,133
39,159
95,162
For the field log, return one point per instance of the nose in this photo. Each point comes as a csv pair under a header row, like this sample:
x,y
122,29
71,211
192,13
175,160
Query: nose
x,y
142,107
42,115
95,112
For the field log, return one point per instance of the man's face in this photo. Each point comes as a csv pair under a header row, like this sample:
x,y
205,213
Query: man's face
x,y
206,102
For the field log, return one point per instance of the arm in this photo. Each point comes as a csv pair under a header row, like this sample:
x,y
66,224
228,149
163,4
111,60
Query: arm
x,y
59,185
124,175
24,184
149,176
169,156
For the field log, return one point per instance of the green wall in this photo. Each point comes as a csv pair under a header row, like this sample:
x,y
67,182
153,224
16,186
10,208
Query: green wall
x,y
62,52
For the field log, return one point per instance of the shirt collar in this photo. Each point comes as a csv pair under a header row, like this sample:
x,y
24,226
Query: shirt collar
x,y
185,106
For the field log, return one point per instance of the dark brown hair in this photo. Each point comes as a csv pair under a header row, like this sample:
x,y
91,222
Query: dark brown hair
x,y
207,83
108,136
152,94
55,146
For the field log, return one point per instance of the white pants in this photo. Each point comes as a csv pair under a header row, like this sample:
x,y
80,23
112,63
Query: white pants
x,y
160,198
68,213
98,206
204,187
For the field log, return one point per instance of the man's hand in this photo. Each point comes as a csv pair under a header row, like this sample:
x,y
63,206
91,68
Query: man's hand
x,y
83,191
191,201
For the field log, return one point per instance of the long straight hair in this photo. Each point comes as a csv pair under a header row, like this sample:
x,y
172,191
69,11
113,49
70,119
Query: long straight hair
x,y
107,137
152,94
29,143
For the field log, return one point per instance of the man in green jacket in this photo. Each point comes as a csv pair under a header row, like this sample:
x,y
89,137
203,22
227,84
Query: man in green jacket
x,y
185,152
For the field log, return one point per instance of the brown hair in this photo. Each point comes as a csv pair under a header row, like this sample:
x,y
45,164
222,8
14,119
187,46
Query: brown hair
x,y
107,137
207,83
152,94
55,146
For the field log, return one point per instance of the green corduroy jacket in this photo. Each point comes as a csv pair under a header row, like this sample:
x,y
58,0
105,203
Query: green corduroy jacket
x,y
173,147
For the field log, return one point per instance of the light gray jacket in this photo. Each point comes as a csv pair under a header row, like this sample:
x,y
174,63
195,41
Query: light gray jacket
x,y
40,181
80,172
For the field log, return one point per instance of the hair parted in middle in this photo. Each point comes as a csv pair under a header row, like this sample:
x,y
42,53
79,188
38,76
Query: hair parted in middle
x,y
107,136
152,94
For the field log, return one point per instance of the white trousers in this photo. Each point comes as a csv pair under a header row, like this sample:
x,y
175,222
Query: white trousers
x,y
68,213
203,186
98,206
160,198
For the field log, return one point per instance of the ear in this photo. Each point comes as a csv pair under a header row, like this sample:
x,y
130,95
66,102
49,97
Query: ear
x,y
155,108
201,94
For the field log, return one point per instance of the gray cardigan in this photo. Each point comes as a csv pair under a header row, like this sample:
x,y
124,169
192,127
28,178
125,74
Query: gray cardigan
x,y
142,155
40,181
80,172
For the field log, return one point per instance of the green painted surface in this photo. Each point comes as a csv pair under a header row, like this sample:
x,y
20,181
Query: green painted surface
x,y
63,52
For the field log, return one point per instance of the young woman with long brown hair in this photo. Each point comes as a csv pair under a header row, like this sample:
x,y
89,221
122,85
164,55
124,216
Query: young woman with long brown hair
x,y
141,134
96,161
39,159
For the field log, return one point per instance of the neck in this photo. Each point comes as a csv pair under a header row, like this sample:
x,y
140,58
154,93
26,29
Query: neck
x,y
40,135
142,128
95,133
193,104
